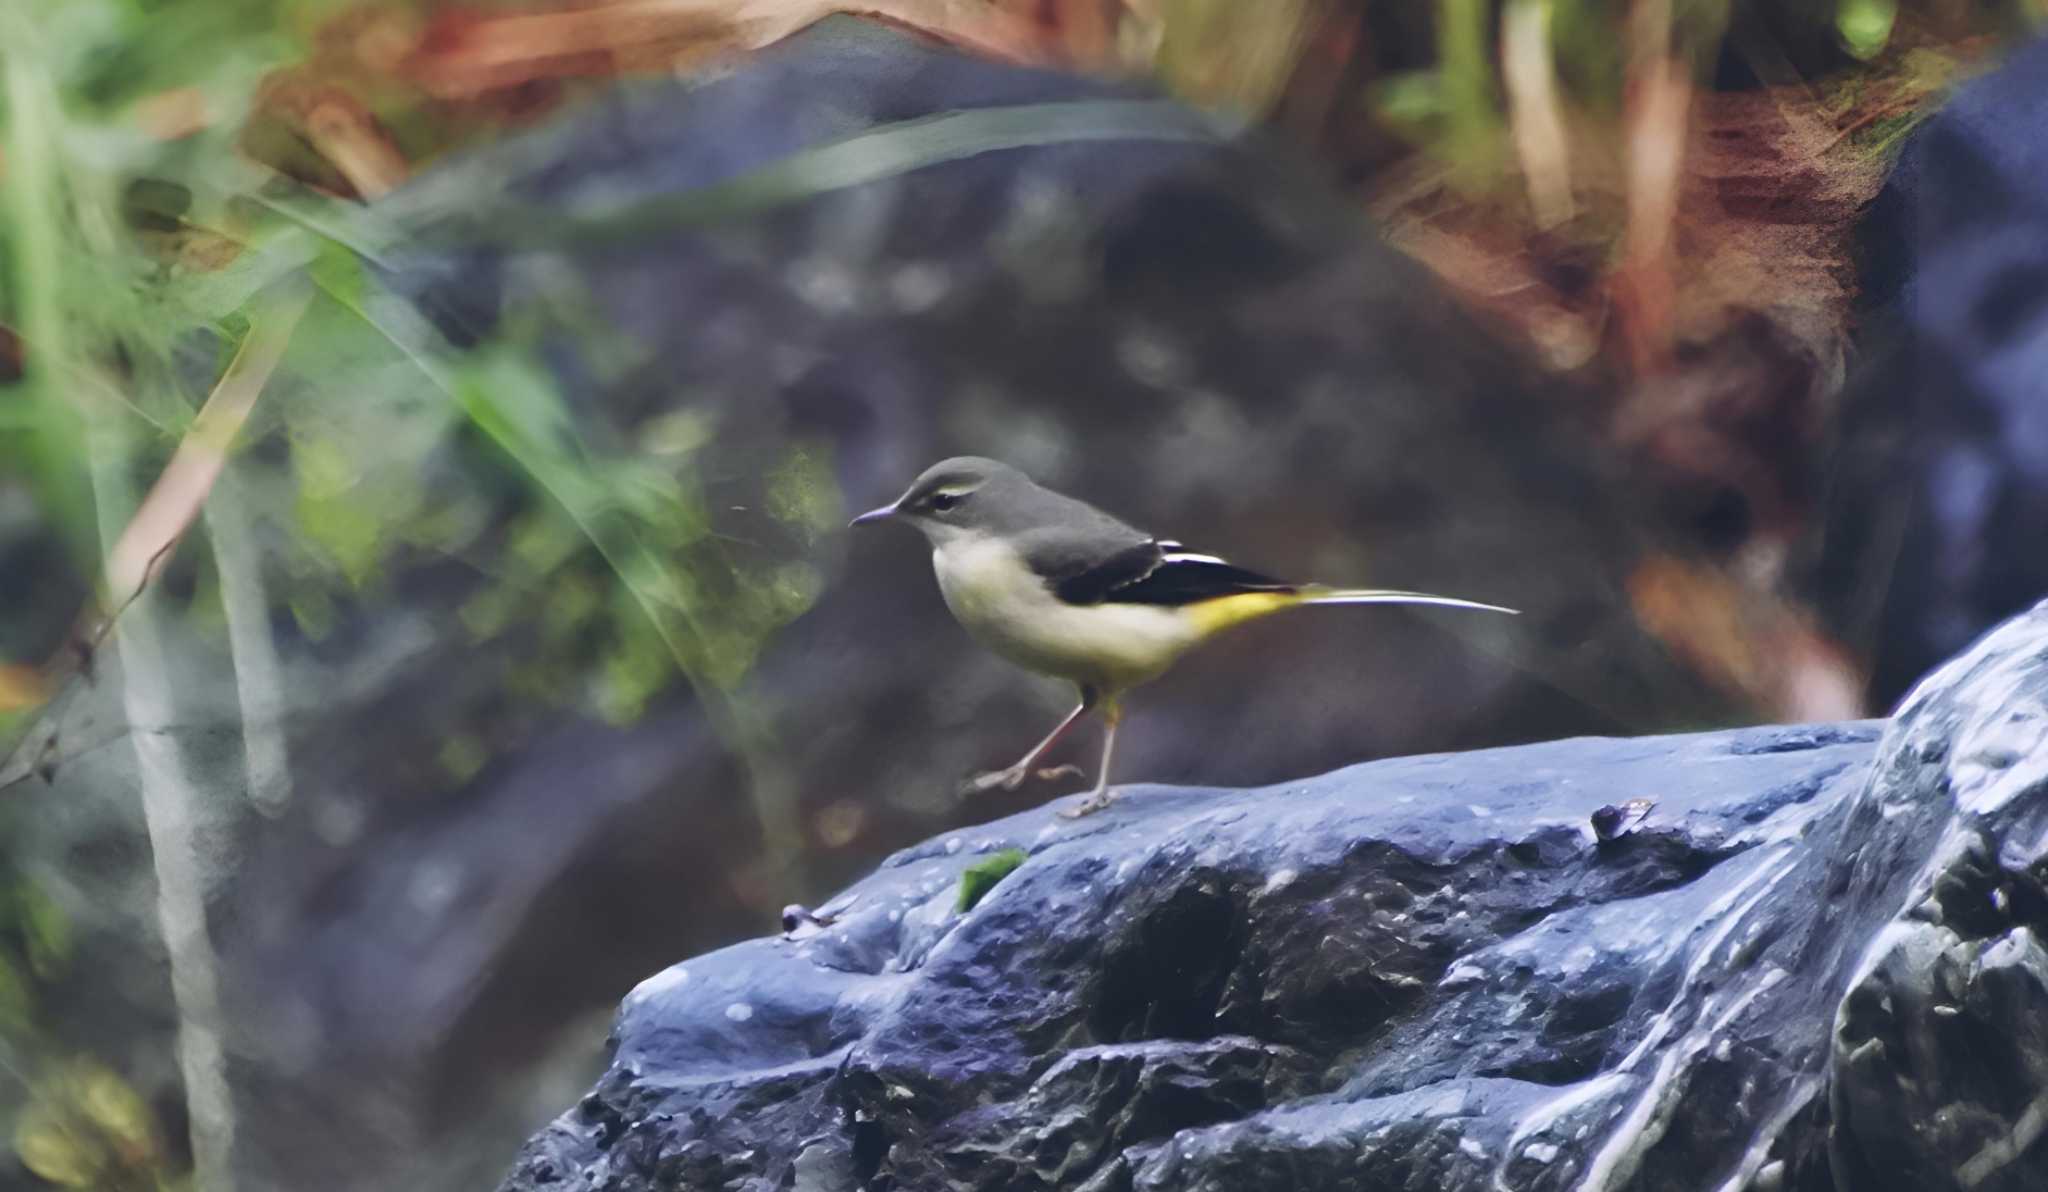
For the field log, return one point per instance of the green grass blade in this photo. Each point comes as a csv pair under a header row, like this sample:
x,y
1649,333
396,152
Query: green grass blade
x,y
871,156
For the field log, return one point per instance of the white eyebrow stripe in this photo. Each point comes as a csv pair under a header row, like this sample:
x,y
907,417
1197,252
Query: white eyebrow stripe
x,y
1181,556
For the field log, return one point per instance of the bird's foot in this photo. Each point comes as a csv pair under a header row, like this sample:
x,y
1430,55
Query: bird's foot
x,y
995,780
1090,805
1012,778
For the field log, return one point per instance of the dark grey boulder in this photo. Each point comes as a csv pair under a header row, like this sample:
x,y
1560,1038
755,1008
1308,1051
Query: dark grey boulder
x,y
1941,466
1815,964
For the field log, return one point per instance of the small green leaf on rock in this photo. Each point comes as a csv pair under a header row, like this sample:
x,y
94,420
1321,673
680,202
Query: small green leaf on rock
x,y
981,877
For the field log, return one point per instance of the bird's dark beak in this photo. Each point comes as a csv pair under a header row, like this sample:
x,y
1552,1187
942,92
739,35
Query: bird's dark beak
x,y
873,515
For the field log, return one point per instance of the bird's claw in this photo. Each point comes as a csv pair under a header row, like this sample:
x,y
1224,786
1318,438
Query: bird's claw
x,y
1007,780
1012,778
1089,806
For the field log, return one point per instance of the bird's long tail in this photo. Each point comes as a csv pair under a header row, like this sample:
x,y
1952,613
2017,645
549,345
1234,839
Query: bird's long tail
x,y
1317,594
1220,613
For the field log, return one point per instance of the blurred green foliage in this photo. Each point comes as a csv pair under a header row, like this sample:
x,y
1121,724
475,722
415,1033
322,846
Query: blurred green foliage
x,y
86,1127
77,1123
35,947
131,266
1454,108
1866,25
103,224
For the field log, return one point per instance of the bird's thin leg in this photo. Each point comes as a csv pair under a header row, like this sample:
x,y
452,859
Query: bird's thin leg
x,y
1013,777
1101,796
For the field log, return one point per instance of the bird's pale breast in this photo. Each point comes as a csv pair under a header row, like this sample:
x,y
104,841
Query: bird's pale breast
x,y
1009,609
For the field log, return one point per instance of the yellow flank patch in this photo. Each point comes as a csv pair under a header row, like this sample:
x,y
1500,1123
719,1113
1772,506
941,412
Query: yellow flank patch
x,y
1214,616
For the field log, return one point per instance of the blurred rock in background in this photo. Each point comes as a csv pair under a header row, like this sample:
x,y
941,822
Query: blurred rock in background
x,y
1938,483
1193,333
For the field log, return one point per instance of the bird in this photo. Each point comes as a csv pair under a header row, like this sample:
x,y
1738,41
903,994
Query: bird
x,y
1062,588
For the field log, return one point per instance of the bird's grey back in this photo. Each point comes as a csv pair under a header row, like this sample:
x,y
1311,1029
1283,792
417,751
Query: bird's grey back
x,y
1057,534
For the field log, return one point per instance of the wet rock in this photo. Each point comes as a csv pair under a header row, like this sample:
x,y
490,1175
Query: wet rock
x,y
1817,962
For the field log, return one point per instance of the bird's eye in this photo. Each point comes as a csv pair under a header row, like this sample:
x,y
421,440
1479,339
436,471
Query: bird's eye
x,y
945,501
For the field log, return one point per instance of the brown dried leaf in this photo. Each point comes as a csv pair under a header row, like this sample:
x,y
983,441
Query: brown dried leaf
x,y
170,115
1224,52
345,133
166,512
463,54
1660,97
182,487
309,127
21,688
1717,207
1749,643
1086,31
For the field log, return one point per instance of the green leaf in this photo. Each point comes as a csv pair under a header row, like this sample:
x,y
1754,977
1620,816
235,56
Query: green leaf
x,y
45,932
207,296
1414,99
336,510
802,493
461,756
870,156
981,877
115,1109
1866,25
337,270
313,611
55,1152
87,1128
17,1002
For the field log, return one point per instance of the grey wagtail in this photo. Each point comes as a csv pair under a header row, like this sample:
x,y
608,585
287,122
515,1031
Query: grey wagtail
x,y
1060,587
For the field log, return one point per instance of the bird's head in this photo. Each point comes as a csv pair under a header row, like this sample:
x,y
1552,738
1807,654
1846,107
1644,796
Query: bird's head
x,y
955,498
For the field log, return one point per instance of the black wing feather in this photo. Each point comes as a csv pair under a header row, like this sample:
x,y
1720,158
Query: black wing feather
x,y
1188,581
1092,583
1149,573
